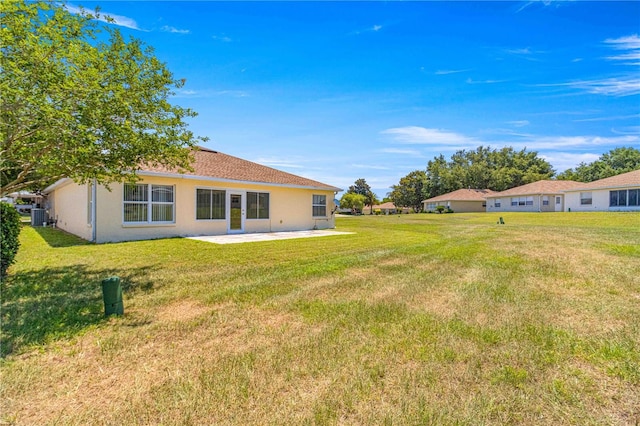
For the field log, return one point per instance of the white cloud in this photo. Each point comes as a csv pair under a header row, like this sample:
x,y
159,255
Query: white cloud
x,y
425,136
374,29
110,18
560,142
411,152
471,81
170,29
447,72
222,38
369,166
518,123
631,42
562,161
615,86
523,51
611,118
445,140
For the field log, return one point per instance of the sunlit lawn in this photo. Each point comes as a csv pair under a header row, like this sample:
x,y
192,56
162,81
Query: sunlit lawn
x,y
414,319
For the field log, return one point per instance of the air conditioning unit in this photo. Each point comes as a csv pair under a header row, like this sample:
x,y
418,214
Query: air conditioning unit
x,y
39,217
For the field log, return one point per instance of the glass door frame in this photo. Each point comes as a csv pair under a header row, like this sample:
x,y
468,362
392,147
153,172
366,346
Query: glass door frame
x,y
243,196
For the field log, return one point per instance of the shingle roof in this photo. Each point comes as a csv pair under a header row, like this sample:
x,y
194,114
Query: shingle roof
x,y
387,205
539,187
214,164
463,195
618,181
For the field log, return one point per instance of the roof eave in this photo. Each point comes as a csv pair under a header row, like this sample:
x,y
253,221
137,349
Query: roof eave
x,y
56,185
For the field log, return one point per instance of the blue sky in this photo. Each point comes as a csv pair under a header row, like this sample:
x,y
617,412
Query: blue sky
x,y
337,91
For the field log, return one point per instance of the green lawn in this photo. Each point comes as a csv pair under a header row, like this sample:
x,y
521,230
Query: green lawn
x,y
415,319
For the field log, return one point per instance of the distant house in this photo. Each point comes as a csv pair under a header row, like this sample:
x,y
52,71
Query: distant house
x,y
223,195
462,200
615,193
386,208
540,196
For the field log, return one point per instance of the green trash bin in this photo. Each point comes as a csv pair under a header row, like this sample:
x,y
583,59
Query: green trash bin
x,y
112,296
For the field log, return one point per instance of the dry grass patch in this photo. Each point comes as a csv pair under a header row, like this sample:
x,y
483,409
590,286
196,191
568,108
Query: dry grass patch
x,y
448,319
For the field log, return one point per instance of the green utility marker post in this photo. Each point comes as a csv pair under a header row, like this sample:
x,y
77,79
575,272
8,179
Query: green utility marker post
x,y
112,296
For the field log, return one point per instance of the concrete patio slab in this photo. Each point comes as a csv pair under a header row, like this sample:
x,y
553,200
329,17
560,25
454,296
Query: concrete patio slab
x,y
269,236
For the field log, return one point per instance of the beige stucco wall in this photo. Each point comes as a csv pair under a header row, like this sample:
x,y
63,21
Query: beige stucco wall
x,y
68,204
457,206
290,209
467,206
536,207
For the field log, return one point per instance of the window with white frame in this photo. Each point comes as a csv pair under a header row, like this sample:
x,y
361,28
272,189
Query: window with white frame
x,y
257,205
497,202
586,198
144,203
545,200
319,206
514,201
529,201
210,204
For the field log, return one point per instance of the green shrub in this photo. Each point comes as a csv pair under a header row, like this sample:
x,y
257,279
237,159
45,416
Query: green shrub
x,y
439,209
9,231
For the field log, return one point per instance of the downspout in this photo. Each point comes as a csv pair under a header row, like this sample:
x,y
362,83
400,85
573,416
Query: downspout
x,y
540,203
94,193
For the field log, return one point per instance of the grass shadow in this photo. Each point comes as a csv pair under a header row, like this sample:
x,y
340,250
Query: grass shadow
x,y
53,303
56,237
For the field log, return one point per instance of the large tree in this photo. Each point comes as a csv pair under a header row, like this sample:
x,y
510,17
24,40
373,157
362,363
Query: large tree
x,y
485,168
361,187
352,201
410,191
614,162
78,100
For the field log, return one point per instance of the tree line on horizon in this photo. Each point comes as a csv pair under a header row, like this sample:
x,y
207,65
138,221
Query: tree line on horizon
x,y
486,168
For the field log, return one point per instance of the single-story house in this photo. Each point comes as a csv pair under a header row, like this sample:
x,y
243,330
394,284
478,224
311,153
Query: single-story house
x,y
540,196
462,200
222,195
386,208
615,193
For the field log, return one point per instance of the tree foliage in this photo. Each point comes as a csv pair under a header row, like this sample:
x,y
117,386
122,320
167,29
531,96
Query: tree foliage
x,y
361,187
410,191
352,201
78,100
614,162
9,232
485,168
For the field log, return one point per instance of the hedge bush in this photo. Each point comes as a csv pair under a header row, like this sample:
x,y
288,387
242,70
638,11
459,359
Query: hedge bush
x,y
9,231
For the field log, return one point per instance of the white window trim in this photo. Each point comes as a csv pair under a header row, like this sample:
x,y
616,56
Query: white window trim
x,y
149,222
326,207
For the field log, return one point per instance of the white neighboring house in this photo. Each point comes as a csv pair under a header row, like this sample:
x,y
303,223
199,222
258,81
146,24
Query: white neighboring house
x,y
540,196
615,193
